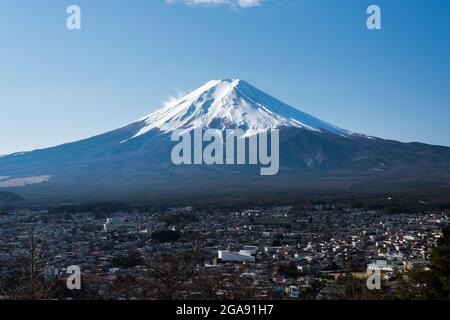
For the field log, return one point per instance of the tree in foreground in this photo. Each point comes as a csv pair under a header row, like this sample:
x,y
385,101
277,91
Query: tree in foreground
x,y
433,283
26,279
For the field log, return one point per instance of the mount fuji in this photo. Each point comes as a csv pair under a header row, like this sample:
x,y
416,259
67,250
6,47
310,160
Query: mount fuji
x,y
133,162
231,104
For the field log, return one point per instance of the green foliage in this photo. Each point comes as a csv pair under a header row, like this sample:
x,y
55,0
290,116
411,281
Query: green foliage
x,y
440,268
289,270
130,260
166,236
429,284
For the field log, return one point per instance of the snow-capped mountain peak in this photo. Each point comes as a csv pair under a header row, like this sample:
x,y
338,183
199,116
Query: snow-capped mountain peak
x,y
230,104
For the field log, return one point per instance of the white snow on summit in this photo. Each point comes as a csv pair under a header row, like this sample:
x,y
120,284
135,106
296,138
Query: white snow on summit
x,y
231,104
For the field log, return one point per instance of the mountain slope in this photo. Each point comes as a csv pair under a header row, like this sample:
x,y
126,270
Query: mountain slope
x,y
134,161
230,104
9,197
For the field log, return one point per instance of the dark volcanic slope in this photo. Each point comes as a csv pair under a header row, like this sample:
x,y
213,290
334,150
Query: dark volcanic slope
x,y
101,167
9,197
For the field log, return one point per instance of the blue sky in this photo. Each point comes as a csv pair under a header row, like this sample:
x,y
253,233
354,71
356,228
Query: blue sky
x,y
58,85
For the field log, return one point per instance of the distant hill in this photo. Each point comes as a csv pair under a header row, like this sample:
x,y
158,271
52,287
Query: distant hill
x,y
9,197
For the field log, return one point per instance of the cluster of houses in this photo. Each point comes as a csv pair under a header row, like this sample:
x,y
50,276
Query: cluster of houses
x,y
281,252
